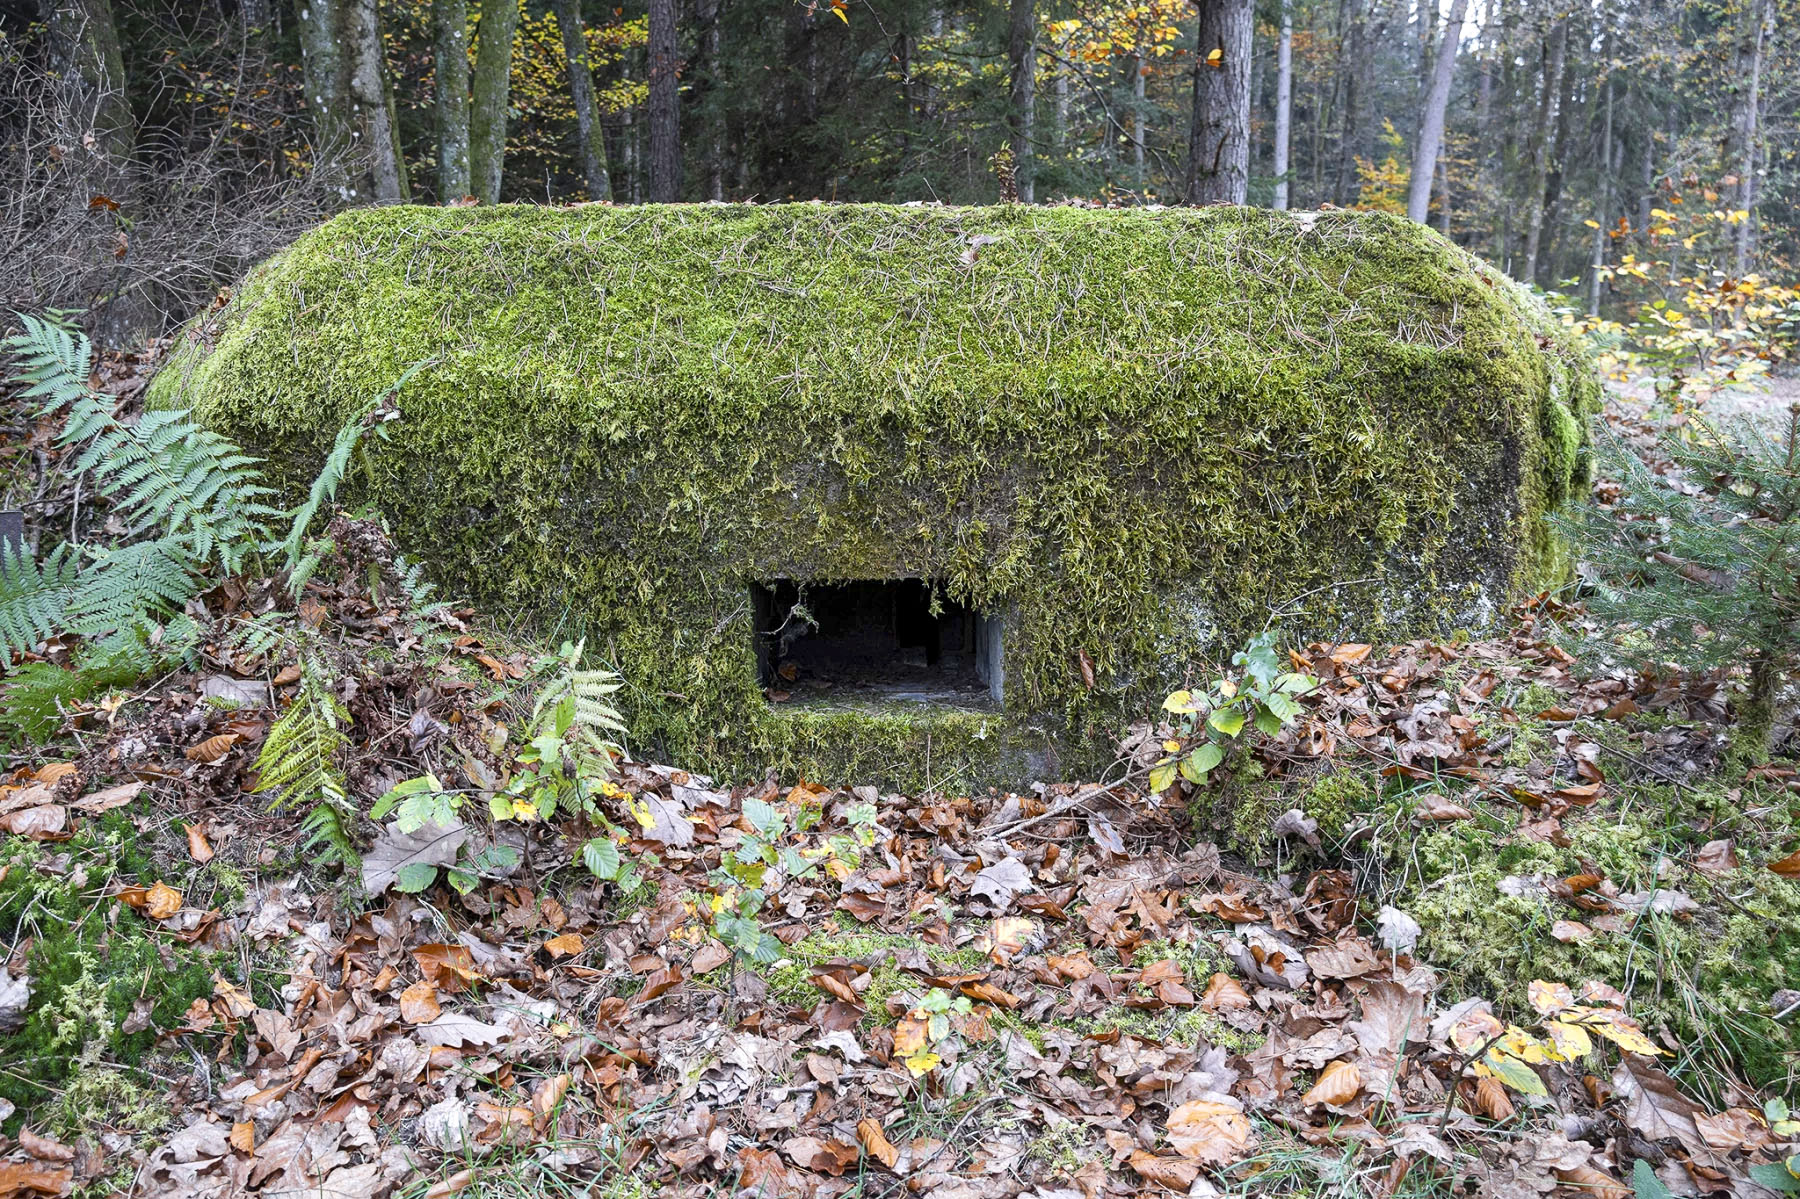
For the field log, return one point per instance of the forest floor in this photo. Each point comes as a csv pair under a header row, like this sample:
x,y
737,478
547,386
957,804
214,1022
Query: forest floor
x,y
1495,917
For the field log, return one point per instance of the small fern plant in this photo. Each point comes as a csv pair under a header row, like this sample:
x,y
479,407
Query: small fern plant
x,y
301,762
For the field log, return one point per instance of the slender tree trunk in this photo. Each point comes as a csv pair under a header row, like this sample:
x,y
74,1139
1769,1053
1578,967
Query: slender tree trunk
x,y
1284,104
1219,140
1749,73
665,105
711,16
1598,262
581,90
492,85
1350,54
451,28
1431,117
326,75
1021,113
1544,135
85,43
373,102
1137,121
1444,192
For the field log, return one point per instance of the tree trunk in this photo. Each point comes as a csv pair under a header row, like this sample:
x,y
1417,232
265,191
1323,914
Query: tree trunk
x,y
1021,109
1444,193
1555,54
85,43
1598,261
373,102
1137,121
492,85
712,21
665,105
581,91
1219,141
1350,52
1284,104
451,21
1749,72
327,80
1431,117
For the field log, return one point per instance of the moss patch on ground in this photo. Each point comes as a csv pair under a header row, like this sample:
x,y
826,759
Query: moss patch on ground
x,y
72,1066
1135,433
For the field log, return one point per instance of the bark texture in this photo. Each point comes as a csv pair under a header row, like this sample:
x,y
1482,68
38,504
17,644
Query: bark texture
x,y
581,91
492,83
451,32
1219,144
665,105
372,103
1284,104
1431,116
1021,112
85,42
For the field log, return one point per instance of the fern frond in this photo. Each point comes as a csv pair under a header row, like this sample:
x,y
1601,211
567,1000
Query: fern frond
x,y
38,694
595,716
299,759
163,472
328,836
34,596
325,484
124,586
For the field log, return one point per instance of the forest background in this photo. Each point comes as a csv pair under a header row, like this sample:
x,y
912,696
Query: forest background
x,y
1639,158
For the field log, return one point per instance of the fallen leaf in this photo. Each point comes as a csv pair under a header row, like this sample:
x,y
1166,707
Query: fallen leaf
x,y
1788,867
243,1136
199,848
1176,1173
431,844
455,1029
45,822
1338,1085
875,1143
52,773
43,1148
1716,857
1000,882
1224,994
563,946
419,1003
112,797
1213,1132
162,901
212,749
18,1179
1568,931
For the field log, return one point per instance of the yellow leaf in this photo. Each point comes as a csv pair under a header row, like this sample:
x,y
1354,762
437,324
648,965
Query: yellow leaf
x,y
1215,58
1617,1028
922,1064
163,901
1570,1041
840,13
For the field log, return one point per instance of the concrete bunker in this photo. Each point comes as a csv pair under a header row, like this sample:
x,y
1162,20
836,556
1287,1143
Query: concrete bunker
x,y
1029,467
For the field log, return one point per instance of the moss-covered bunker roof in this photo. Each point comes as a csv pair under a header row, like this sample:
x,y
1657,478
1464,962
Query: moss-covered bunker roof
x,y
1136,431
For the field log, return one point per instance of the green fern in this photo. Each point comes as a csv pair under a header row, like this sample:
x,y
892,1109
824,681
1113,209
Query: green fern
x,y
162,472
34,596
299,759
38,695
124,587
596,720
301,561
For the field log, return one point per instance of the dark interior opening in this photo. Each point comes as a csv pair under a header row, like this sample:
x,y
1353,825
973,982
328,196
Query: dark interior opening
x,y
903,639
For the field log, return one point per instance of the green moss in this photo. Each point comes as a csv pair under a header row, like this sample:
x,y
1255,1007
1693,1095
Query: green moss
x,y
91,959
790,980
1706,979
1132,432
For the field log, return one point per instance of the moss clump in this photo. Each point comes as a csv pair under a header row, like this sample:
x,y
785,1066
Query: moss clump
x,y
1132,432
91,959
790,981
1705,979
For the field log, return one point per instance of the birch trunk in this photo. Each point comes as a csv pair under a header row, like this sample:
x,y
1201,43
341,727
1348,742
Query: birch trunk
x,y
1431,117
1750,58
373,103
1284,104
